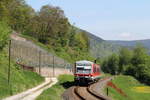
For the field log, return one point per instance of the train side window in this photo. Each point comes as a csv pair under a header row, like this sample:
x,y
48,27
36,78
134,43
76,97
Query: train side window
x,y
94,69
98,70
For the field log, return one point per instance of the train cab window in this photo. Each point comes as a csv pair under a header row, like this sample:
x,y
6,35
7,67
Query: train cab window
x,y
80,70
87,71
83,71
83,68
83,64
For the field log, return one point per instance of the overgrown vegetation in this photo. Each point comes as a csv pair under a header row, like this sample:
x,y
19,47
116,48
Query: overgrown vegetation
x,y
4,32
20,79
128,85
54,31
48,26
55,92
129,62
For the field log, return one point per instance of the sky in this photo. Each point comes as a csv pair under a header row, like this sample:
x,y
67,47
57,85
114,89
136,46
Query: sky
x,y
108,19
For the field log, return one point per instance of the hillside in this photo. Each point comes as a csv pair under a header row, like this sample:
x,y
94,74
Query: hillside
x,y
103,48
19,78
99,47
145,43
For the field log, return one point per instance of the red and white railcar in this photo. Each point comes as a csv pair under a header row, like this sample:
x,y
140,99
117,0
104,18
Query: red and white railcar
x,y
86,71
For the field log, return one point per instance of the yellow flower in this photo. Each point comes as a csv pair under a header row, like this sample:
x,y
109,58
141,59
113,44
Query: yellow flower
x,y
142,89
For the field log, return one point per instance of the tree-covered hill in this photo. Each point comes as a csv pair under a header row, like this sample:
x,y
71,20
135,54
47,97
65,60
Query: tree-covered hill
x,y
131,44
99,47
48,26
145,43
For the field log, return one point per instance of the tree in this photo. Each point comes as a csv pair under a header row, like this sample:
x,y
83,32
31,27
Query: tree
x,y
125,56
105,67
72,41
140,62
3,11
53,24
110,65
81,40
5,31
21,15
139,56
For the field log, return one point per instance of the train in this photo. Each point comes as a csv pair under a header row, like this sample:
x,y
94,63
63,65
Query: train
x,y
86,71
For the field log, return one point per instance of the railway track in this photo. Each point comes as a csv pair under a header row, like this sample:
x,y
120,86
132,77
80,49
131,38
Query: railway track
x,y
85,93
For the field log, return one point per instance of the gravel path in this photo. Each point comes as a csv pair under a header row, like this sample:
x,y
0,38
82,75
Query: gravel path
x,y
31,94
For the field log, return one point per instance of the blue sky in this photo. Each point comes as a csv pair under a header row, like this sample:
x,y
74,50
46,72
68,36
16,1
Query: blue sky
x,y
108,19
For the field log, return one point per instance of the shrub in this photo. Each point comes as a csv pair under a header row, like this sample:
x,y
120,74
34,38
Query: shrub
x,y
4,34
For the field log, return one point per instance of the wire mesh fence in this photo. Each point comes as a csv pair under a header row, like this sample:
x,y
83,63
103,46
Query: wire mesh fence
x,y
29,54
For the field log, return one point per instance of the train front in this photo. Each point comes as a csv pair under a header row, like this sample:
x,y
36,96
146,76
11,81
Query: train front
x,y
83,71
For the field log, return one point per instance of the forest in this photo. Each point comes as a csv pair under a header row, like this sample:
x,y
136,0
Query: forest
x,y
48,26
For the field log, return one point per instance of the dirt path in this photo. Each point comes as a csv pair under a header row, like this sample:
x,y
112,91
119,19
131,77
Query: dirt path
x,y
31,94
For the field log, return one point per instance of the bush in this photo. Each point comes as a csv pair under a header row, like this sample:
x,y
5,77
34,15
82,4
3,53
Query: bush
x,y
4,34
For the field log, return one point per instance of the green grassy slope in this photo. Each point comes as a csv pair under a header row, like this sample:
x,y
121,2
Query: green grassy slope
x,y
20,80
127,84
55,92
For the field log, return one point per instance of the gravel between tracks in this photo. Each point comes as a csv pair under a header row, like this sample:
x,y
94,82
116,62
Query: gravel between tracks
x,y
96,89
85,94
69,94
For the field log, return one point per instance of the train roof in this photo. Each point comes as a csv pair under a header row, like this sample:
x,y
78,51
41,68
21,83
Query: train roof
x,y
84,62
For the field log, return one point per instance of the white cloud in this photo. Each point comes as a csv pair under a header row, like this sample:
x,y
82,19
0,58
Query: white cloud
x,y
125,35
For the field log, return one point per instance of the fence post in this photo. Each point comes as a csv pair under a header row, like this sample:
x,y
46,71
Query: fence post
x,y
9,62
53,67
9,67
107,91
39,62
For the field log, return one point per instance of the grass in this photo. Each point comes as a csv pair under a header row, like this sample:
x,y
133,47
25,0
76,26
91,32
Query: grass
x,y
55,92
20,80
127,84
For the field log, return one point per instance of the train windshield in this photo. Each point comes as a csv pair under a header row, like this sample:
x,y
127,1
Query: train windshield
x,y
83,69
83,64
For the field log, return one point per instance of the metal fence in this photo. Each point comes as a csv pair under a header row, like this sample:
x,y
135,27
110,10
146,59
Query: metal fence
x,y
29,54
